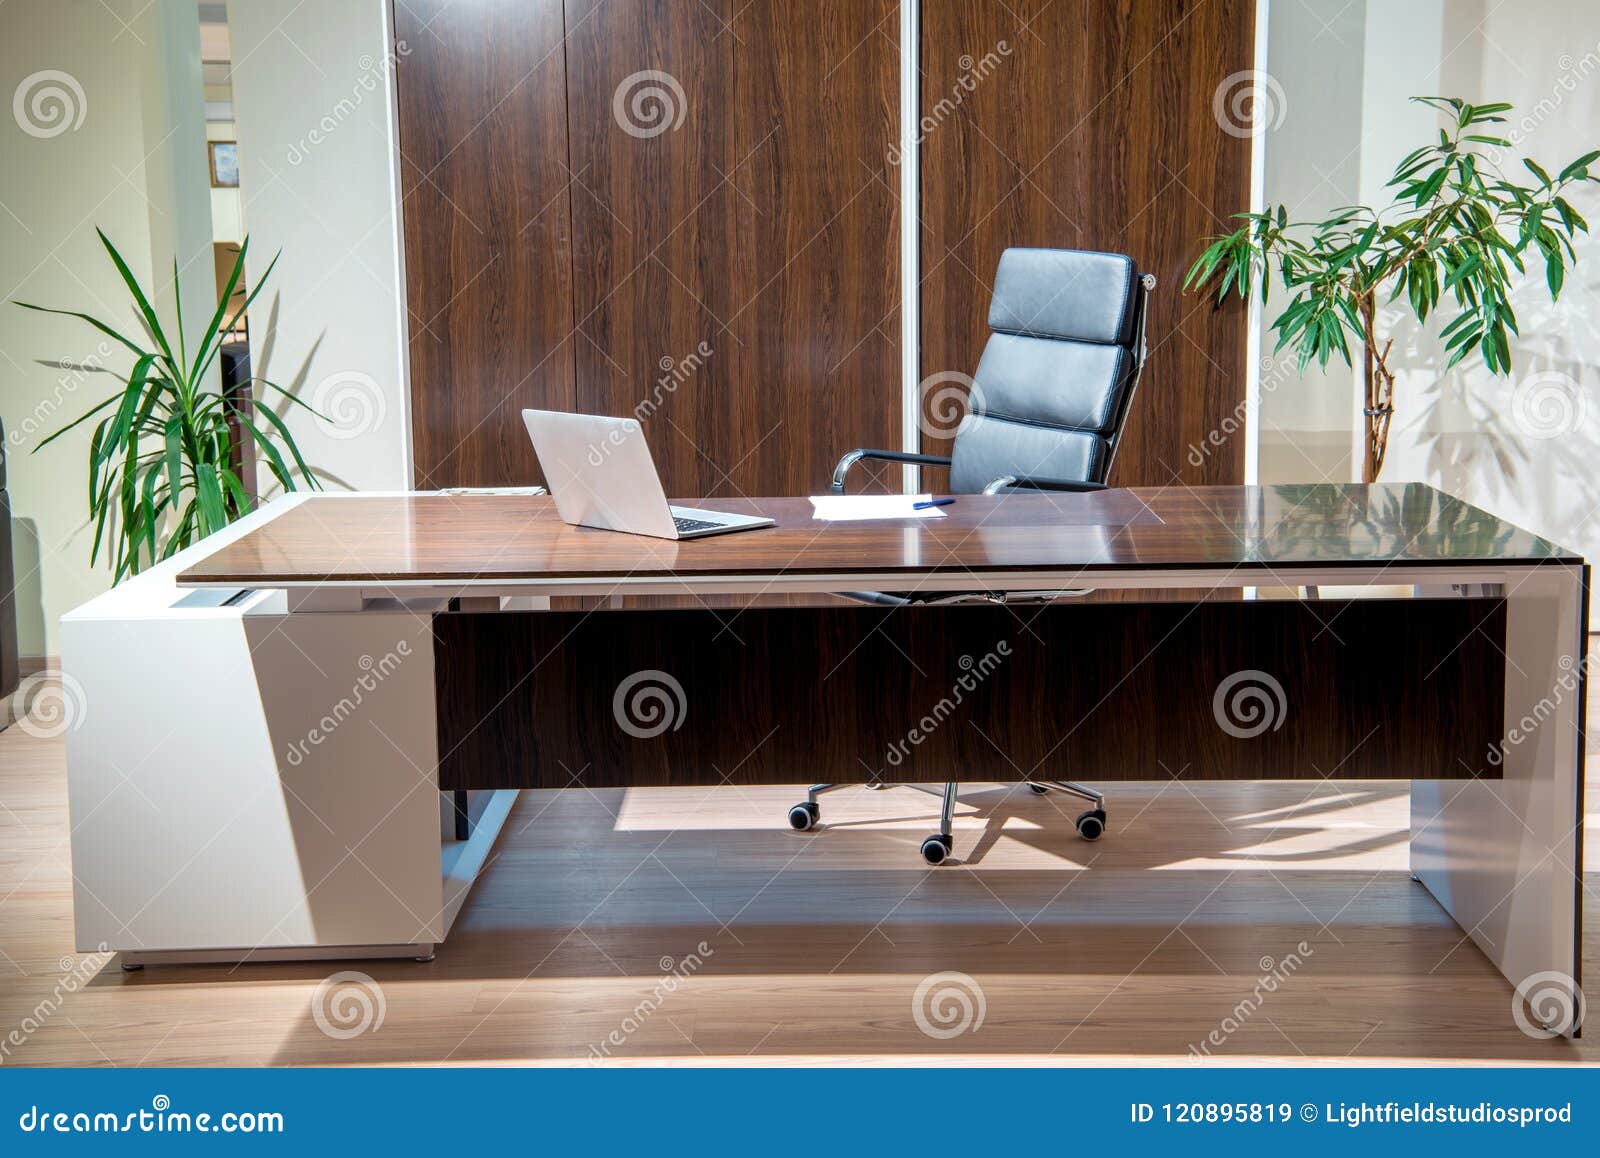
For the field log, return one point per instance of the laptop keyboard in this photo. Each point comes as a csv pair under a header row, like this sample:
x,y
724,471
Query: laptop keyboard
x,y
684,525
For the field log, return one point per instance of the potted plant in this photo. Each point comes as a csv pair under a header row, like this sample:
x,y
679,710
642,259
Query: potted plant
x,y
163,461
1455,234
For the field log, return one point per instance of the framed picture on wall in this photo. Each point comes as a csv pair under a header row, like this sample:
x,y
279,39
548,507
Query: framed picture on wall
x,y
224,164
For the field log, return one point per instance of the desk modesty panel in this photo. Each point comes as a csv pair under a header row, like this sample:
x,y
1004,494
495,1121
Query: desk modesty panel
x,y
1279,690
519,542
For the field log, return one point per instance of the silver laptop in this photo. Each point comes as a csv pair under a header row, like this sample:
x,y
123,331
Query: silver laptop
x,y
601,474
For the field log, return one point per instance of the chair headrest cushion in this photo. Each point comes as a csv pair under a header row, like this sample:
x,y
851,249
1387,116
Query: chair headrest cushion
x,y
1065,293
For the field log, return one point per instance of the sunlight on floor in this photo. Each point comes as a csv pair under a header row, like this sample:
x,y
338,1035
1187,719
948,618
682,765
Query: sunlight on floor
x,y
1328,827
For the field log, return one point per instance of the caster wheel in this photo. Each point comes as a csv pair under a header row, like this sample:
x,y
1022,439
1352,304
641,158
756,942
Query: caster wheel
x,y
1092,824
936,848
127,968
804,816
1038,789
423,960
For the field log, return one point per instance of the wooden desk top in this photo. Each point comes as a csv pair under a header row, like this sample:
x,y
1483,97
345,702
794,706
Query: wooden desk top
x,y
415,539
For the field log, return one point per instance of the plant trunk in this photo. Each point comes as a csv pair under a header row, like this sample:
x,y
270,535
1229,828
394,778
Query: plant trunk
x,y
1377,407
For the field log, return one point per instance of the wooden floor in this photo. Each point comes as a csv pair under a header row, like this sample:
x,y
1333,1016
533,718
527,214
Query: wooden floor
x,y
1247,922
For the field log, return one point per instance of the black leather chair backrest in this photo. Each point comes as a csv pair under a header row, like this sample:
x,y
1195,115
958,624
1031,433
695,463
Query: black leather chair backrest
x,y
1053,385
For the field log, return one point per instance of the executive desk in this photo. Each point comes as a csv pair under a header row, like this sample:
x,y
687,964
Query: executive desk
x,y
1423,640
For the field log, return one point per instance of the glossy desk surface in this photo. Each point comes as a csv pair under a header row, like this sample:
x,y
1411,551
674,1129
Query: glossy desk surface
x,y
436,537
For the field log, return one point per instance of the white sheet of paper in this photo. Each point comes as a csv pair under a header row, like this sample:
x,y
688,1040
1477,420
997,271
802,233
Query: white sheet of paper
x,y
848,508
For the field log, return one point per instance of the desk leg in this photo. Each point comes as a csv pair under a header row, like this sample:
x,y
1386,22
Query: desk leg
x,y
285,808
1504,857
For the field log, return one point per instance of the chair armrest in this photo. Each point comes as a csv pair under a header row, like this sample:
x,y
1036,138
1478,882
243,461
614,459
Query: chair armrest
x,y
877,598
1012,482
855,456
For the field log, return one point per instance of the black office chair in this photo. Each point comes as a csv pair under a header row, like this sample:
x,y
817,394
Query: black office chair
x,y
1051,397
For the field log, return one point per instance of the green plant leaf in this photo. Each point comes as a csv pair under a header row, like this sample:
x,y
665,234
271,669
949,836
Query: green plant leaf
x,y
1467,268
275,463
78,421
288,441
205,356
1578,168
174,455
182,534
1570,217
150,506
1429,189
122,421
161,448
1555,273
177,299
235,490
146,310
215,325
82,317
208,489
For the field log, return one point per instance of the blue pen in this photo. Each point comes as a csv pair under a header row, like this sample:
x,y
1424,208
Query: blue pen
x,y
931,503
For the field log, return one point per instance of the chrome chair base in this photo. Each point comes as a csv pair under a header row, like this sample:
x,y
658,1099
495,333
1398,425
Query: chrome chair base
x,y
936,849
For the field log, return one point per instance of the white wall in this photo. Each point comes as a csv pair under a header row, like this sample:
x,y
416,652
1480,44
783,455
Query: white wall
x,y
1522,447
129,166
177,171
1312,162
313,97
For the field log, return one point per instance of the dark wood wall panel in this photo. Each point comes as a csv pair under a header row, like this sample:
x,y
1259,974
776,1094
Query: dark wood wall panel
x,y
483,147
1096,131
1405,689
757,217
